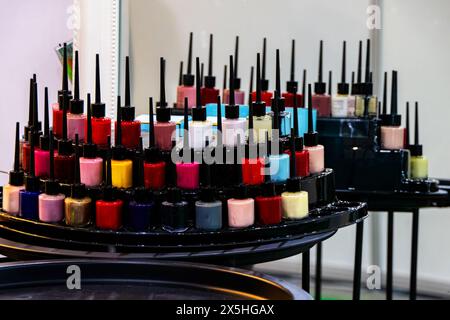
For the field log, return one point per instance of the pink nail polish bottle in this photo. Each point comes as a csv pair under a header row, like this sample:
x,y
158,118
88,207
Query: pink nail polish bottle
x,y
188,172
187,90
315,150
76,120
239,95
91,166
42,155
392,132
241,209
164,128
51,202
321,100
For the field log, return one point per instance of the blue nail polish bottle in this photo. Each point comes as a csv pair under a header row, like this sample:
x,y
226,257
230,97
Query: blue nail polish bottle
x,y
141,207
278,161
29,198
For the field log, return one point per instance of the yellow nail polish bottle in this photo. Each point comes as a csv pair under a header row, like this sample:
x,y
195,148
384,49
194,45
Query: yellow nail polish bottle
x,y
294,202
122,168
418,163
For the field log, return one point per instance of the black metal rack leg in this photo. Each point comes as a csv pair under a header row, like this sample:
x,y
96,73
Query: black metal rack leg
x,y
390,255
319,272
358,261
414,249
306,271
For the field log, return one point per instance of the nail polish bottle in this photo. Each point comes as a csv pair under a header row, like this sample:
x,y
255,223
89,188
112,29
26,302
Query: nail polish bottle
x,y
76,120
239,95
108,211
64,95
141,207
208,210
265,95
175,212
51,202
339,108
419,163
278,161
330,84
65,159
268,205
91,165
122,167
78,206
321,101
295,202
358,89
253,165
11,191
33,132
42,155
101,125
311,138
284,118
200,128
154,167
261,121
392,133
187,90
292,85
371,101
29,198
232,125
188,171
241,209
209,91
24,143
164,128
301,155
131,128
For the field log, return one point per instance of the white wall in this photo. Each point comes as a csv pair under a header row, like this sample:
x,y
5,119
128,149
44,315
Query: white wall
x,y
30,31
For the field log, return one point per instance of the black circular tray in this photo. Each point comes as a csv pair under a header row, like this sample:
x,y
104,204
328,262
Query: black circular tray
x,y
153,280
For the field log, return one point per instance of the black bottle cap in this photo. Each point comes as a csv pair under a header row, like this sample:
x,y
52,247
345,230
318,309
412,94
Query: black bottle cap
x,y
180,79
299,144
64,92
416,149
210,80
264,82
393,119
232,110
16,175
163,114
241,192
237,80
188,78
343,86
77,105
34,133
311,138
207,194
357,87
250,91
408,142
152,154
89,148
98,107
367,87
225,77
77,189
142,195
259,107
119,152
128,112
320,87
268,190
65,147
294,185
32,183
292,85
198,113
44,140
52,187
174,195
280,102
30,112
109,192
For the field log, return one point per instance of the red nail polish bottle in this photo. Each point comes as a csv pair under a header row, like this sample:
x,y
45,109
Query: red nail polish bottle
x,y
63,94
252,165
108,213
187,89
154,167
42,155
292,85
131,129
209,92
101,126
266,96
32,132
268,205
